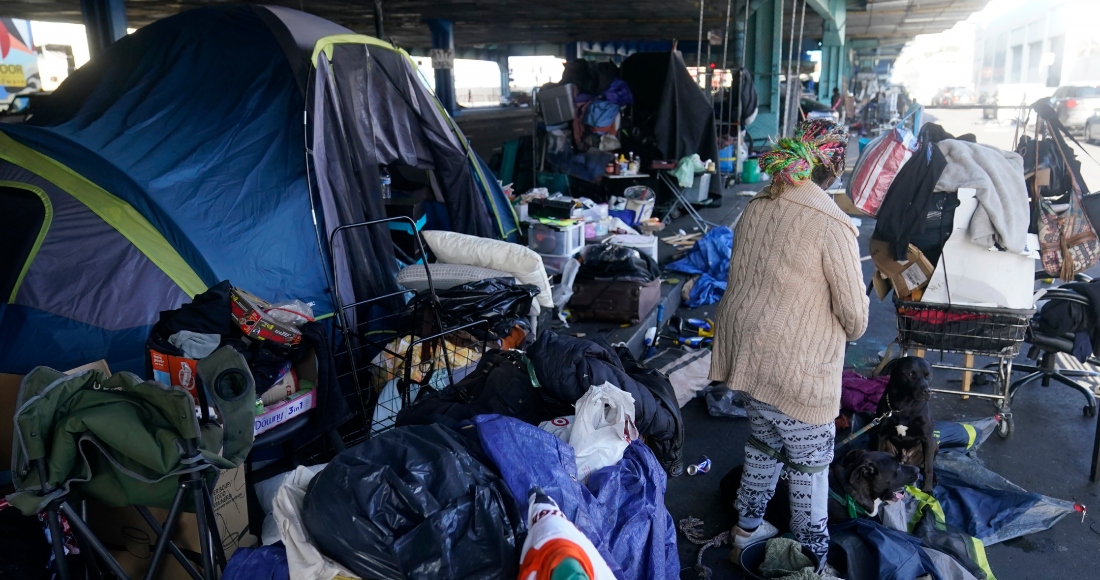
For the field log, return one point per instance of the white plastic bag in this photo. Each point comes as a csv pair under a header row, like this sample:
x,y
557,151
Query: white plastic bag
x,y
602,429
561,427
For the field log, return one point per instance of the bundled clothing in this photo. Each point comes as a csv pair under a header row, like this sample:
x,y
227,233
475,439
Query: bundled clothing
x,y
861,394
1003,214
907,200
567,367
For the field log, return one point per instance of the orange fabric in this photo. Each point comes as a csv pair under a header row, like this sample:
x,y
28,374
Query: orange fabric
x,y
514,339
542,560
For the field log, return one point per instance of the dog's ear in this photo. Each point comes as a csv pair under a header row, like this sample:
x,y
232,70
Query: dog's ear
x,y
888,369
861,483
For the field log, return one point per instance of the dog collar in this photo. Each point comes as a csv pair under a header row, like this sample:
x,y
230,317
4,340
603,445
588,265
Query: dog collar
x,y
854,509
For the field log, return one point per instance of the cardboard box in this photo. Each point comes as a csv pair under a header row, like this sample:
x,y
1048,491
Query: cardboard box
x,y
175,370
9,389
131,541
845,203
295,404
905,277
248,312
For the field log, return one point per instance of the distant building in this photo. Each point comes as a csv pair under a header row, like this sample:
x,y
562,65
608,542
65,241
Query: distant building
x,y
1026,52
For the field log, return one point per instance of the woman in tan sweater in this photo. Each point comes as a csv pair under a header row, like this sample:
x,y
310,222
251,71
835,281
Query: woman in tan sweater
x,y
795,296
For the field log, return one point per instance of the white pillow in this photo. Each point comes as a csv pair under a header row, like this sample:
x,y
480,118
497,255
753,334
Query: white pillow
x,y
520,261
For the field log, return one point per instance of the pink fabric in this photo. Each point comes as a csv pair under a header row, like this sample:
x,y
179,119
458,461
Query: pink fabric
x,y
877,167
861,394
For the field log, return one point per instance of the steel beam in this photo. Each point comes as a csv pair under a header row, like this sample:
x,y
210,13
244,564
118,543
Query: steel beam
x,y
104,23
443,54
763,55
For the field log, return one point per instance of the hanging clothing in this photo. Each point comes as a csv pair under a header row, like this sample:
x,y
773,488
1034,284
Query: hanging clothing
x,y
1003,213
906,203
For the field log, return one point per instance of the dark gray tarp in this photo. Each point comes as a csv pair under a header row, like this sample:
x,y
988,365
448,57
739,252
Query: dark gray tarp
x,y
669,105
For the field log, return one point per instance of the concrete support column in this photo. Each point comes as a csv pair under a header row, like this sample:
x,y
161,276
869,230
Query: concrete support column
x,y
104,23
763,57
572,51
502,63
834,71
443,56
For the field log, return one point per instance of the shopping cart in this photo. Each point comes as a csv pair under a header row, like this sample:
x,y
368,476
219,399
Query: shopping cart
x,y
393,348
970,331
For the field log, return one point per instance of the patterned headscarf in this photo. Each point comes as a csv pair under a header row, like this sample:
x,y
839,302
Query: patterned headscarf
x,y
817,142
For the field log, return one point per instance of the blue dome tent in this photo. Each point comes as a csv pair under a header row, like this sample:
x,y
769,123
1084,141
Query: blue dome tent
x,y
226,142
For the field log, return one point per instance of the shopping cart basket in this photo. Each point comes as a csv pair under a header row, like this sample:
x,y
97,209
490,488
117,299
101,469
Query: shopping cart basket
x,y
971,331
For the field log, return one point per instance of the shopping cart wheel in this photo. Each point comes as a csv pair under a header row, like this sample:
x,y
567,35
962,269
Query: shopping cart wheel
x,y
1090,411
1006,427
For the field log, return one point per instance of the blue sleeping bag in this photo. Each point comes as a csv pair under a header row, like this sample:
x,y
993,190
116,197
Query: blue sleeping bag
x,y
622,509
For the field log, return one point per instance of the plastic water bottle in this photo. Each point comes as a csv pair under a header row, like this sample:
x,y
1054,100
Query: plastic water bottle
x,y
385,179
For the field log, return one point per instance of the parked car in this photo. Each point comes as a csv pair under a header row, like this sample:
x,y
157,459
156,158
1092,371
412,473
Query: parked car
x,y
1075,105
951,96
1092,128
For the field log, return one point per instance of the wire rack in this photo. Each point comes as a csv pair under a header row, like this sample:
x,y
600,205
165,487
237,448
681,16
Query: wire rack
x,y
970,331
395,351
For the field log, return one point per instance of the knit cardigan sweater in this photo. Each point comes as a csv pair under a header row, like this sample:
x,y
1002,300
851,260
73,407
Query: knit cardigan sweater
x,y
795,297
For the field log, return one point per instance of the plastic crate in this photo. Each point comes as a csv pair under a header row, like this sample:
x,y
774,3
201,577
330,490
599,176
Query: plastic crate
x,y
554,240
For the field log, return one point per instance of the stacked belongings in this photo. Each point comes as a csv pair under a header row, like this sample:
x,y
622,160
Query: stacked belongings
x,y
615,284
287,353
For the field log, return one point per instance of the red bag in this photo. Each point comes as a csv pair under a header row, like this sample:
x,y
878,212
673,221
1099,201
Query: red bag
x,y
878,165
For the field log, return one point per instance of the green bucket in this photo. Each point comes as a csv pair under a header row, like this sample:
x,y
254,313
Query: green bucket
x,y
750,171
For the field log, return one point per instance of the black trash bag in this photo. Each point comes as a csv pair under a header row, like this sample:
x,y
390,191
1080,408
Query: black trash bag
x,y
500,301
605,261
416,502
500,385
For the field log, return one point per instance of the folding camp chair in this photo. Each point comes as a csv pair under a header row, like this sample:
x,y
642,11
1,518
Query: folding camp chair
x,y
123,441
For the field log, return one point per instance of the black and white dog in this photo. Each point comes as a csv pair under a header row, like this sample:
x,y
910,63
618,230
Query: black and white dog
x,y
869,478
907,433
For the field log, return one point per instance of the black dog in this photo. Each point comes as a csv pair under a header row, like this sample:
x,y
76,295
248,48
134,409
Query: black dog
x,y
907,432
868,477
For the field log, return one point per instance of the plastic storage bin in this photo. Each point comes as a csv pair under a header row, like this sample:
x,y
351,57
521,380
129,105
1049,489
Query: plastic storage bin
x,y
554,240
699,190
555,264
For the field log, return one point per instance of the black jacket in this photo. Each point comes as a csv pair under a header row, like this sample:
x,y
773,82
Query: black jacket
x,y
906,203
1060,317
567,366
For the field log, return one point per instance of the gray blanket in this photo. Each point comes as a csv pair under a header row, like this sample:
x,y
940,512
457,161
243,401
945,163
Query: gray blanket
x,y
1002,216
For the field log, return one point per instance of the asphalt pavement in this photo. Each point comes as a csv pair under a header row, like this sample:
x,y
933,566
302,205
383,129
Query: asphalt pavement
x,y
1048,454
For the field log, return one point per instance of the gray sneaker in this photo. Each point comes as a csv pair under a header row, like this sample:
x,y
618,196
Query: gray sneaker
x,y
742,539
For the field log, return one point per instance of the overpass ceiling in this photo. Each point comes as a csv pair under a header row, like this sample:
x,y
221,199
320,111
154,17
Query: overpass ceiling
x,y
481,22
895,22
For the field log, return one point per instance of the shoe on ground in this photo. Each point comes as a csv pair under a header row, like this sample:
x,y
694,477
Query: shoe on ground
x,y
740,539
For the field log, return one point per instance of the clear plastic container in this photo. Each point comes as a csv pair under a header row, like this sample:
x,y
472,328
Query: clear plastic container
x,y
556,241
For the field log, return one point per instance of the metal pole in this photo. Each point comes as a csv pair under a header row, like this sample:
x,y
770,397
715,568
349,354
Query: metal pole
x,y
726,103
741,79
787,96
379,31
699,47
798,96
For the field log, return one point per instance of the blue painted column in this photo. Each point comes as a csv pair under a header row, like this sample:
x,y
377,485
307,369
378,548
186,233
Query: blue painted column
x,y
443,56
572,51
104,23
763,57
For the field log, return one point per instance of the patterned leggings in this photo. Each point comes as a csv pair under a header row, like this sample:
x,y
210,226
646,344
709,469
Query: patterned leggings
x,y
804,444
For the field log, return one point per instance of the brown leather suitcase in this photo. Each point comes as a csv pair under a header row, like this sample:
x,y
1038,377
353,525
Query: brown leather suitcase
x,y
623,300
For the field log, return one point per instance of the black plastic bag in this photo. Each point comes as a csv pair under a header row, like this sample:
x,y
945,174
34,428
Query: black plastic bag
x,y
498,300
415,502
615,261
501,385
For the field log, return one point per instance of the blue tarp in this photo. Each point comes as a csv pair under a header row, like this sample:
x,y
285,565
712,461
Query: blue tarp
x,y
622,509
263,563
710,258
874,552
